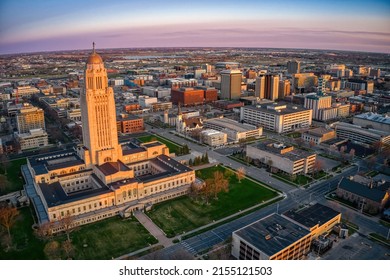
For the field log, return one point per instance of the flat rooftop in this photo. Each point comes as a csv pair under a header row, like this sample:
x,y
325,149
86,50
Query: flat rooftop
x,y
275,148
55,160
374,118
230,124
277,109
272,234
312,215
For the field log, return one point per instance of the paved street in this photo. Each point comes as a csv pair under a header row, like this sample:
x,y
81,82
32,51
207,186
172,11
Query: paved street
x,y
294,198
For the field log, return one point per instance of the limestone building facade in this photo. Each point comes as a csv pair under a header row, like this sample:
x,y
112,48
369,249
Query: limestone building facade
x,y
102,178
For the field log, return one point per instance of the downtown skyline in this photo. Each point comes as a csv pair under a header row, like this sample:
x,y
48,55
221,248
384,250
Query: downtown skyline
x,y
27,26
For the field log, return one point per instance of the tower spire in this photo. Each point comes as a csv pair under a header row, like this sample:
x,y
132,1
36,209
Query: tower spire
x,y
93,47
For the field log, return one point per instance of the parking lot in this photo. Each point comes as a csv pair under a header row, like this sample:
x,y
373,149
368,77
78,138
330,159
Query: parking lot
x,y
357,247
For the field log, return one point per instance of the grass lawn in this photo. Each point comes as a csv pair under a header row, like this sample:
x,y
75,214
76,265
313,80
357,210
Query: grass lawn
x,y
294,135
299,179
26,245
173,147
14,176
110,238
319,175
105,239
184,214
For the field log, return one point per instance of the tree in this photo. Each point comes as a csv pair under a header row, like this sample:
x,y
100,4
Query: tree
x,y
377,146
228,173
206,158
312,143
4,163
240,174
215,185
318,166
190,163
4,184
66,223
352,153
52,250
68,248
342,152
7,217
45,230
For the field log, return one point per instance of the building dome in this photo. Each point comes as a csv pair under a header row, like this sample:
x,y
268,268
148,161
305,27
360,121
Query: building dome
x,y
94,58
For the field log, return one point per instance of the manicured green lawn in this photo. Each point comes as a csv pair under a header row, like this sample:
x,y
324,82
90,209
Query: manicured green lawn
x,y
14,175
105,239
173,148
110,238
184,214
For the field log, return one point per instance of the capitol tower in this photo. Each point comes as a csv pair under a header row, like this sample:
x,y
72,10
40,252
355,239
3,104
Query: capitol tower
x,y
98,115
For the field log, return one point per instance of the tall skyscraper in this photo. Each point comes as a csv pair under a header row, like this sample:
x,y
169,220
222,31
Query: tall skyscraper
x,y
321,86
293,67
98,115
30,117
267,86
231,84
284,88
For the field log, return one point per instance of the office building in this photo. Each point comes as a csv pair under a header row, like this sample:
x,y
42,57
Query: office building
x,y
373,120
193,96
235,131
318,219
231,84
360,134
293,67
284,88
318,135
277,117
130,124
271,238
30,117
283,158
213,137
267,86
304,82
35,138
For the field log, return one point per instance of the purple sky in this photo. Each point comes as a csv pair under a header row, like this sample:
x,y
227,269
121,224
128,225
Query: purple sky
x,y
27,26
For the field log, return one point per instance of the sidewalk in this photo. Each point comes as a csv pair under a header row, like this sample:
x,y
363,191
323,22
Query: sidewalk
x,y
153,228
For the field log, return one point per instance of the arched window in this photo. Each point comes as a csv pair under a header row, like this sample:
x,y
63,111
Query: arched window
x,y
107,159
72,170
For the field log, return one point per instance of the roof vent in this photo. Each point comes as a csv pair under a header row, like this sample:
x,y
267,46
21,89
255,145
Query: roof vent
x,y
268,237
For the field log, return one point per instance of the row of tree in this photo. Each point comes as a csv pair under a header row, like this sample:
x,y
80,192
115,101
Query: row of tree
x,y
199,160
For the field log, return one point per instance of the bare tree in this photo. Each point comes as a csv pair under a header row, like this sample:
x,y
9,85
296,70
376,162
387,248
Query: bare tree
x,y
318,166
352,153
66,223
240,174
68,248
7,217
215,185
342,152
45,230
377,146
53,250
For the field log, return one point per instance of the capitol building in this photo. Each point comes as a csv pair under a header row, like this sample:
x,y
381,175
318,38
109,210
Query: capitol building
x,y
102,178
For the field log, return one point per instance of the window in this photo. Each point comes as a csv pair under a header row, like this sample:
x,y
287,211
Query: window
x,y
54,216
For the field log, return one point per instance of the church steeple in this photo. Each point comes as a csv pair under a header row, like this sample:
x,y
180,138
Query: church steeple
x,y
179,109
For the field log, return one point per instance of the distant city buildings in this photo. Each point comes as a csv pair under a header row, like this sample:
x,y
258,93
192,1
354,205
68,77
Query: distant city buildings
x,y
231,84
293,67
267,86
